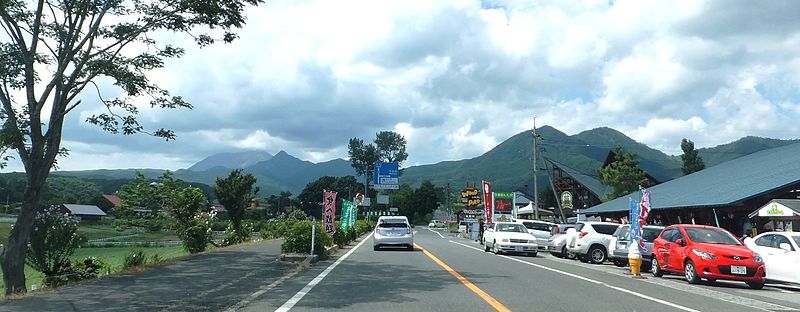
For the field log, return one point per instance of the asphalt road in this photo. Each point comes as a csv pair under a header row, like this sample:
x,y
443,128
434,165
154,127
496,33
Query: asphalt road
x,y
398,280
443,274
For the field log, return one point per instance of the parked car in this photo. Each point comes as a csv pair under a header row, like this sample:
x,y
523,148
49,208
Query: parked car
x,y
619,254
436,224
701,251
393,231
781,253
557,244
540,229
509,237
591,240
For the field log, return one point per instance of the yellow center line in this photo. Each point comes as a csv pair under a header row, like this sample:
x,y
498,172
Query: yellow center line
x,y
486,297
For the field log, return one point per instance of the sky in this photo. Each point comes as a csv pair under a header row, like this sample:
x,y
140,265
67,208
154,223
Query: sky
x,y
458,77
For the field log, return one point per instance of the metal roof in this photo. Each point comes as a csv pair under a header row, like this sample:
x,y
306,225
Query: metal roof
x,y
721,185
594,185
87,210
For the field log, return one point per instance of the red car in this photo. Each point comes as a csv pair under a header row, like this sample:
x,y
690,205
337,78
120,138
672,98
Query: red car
x,y
708,252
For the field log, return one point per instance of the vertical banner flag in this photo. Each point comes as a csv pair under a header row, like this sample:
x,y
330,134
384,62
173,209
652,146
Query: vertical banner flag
x,y
329,211
635,227
644,210
487,201
348,215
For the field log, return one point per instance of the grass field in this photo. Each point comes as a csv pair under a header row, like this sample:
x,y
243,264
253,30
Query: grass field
x,y
112,255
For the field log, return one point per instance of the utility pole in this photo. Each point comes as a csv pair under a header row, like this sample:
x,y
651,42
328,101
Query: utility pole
x,y
535,186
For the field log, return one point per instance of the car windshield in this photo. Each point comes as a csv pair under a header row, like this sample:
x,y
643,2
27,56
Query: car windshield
x,y
796,239
711,236
511,228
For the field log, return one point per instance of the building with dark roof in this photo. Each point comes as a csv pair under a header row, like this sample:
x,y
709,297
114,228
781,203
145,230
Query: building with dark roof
x,y
84,212
724,194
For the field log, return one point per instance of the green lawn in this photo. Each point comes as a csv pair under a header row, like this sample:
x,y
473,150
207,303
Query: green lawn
x,y
112,255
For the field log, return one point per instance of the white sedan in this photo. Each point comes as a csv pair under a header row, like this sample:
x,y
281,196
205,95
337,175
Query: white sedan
x,y
781,253
509,237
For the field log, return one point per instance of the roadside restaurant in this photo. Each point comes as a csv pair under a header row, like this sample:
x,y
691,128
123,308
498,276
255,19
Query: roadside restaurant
x,y
728,195
780,214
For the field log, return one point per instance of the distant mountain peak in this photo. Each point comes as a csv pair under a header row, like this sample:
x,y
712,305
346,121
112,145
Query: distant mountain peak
x,y
231,160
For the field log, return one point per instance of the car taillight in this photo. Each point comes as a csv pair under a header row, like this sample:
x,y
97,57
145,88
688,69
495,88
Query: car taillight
x,y
558,230
582,234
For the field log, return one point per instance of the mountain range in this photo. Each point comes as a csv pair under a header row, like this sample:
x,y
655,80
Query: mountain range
x,y
508,166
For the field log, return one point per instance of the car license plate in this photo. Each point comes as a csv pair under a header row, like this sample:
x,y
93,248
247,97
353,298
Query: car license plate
x,y
738,269
518,248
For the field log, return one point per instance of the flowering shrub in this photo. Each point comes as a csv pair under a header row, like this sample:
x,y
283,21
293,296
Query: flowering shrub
x,y
299,239
133,258
276,228
53,240
196,234
232,237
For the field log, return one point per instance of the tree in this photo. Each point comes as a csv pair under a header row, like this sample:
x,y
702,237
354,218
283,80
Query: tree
x,y
235,193
623,175
53,50
362,157
391,147
311,196
692,162
193,229
425,201
142,193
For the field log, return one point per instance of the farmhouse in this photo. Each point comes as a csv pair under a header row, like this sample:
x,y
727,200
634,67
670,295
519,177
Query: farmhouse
x,y
84,212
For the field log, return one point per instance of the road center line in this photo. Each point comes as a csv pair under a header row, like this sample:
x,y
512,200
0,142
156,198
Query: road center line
x,y
677,306
302,293
486,297
437,233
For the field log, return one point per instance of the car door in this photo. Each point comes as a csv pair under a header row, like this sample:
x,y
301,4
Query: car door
x,y
766,247
783,263
677,252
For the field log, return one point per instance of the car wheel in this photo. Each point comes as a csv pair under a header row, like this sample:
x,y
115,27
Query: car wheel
x,y
655,269
494,248
568,254
597,255
619,263
755,285
485,246
690,273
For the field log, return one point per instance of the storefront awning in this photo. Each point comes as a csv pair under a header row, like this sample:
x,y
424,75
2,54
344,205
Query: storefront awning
x,y
779,208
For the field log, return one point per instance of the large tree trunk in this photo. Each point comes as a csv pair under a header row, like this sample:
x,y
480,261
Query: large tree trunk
x,y
12,257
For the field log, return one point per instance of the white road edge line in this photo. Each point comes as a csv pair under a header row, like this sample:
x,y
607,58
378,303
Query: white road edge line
x,y
440,234
302,293
677,306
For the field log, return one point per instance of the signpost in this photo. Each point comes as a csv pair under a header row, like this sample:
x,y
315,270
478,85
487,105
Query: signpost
x,y
386,176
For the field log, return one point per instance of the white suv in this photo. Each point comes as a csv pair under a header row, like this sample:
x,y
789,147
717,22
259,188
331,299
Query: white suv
x,y
539,229
590,241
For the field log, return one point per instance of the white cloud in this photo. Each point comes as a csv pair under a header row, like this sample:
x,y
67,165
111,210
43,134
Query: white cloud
x,y
458,77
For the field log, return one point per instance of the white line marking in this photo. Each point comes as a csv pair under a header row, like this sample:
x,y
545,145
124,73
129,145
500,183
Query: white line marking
x,y
591,281
302,293
785,291
437,233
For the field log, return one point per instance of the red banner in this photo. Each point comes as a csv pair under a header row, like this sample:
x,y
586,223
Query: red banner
x,y
487,201
329,211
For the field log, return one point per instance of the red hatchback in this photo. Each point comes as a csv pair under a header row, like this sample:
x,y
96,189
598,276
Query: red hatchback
x,y
708,252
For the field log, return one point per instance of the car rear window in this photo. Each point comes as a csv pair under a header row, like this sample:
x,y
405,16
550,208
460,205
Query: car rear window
x,y
537,226
650,235
579,227
392,224
607,229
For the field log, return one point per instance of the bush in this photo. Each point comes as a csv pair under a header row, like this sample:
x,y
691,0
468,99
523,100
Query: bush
x,y
362,226
133,259
341,237
276,228
196,234
52,241
299,239
232,237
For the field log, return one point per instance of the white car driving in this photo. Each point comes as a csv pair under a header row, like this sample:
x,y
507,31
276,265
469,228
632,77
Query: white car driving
x,y
781,254
510,237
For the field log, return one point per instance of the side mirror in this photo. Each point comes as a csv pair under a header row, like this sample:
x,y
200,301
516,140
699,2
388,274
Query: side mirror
x,y
412,226
681,242
785,246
